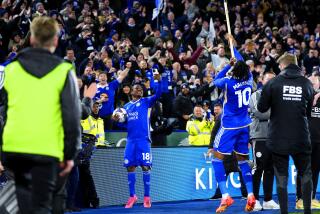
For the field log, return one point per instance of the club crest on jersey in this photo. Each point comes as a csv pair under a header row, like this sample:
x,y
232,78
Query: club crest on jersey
x,y
258,154
138,104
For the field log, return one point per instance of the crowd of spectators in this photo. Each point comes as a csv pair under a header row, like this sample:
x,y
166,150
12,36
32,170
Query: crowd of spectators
x,y
102,38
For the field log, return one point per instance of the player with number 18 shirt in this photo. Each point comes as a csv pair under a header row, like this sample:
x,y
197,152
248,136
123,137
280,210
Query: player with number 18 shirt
x,y
138,148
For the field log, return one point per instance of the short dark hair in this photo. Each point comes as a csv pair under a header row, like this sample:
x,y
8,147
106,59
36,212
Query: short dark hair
x,y
69,48
217,105
140,83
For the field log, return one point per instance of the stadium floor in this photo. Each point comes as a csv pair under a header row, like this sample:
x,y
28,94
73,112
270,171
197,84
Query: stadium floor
x,y
188,207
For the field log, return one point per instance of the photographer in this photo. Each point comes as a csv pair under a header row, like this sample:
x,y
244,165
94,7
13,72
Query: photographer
x,y
199,127
160,126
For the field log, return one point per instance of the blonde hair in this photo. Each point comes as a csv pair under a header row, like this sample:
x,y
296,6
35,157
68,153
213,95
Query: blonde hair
x,y
44,29
287,59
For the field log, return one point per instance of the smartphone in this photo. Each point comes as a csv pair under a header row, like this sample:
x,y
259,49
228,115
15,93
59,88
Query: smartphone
x,y
155,71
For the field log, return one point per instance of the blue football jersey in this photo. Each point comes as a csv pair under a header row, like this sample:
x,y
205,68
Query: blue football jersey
x,y
236,99
149,75
138,116
167,79
107,108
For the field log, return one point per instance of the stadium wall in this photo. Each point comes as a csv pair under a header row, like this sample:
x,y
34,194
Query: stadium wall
x,y
181,173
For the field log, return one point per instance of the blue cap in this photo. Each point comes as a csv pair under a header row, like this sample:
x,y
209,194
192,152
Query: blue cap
x,y
112,33
184,85
206,102
53,12
182,49
138,73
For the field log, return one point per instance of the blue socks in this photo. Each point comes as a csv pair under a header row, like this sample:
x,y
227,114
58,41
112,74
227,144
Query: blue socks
x,y
146,183
131,183
246,174
220,174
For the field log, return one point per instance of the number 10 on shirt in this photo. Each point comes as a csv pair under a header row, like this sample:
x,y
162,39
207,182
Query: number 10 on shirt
x,y
243,97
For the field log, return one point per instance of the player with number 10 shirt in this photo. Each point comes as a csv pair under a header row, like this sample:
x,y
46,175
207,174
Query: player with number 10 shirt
x,y
233,136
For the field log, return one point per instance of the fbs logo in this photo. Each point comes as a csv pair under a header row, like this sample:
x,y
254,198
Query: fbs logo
x,y
292,93
292,89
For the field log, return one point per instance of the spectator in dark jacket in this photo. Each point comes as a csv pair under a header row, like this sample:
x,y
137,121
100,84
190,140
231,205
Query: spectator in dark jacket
x,y
160,127
182,106
314,124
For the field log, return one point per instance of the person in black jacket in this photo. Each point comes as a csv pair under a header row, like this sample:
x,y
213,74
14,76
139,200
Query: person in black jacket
x,y
289,96
183,104
314,124
160,126
183,107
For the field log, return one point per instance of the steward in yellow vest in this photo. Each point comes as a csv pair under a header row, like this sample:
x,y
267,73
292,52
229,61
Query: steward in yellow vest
x,y
94,125
199,128
42,118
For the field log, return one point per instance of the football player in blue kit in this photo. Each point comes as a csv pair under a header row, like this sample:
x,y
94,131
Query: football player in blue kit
x,y
138,147
233,134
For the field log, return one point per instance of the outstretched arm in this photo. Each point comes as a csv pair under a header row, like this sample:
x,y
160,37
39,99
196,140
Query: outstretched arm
x,y
122,75
152,99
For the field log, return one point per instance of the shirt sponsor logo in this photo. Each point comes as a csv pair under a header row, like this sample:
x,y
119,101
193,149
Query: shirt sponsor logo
x,y
292,93
133,115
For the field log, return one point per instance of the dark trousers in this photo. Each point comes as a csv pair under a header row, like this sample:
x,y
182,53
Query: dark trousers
x,y
262,164
315,168
60,195
87,187
72,187
302,162
166,100
35,179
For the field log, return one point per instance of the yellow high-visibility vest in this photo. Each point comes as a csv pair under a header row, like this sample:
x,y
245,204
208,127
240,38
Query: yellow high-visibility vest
x,y
34,117
95,127
199,132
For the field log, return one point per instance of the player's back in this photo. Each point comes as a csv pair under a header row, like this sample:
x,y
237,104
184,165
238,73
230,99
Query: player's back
x,y
236,102
138,121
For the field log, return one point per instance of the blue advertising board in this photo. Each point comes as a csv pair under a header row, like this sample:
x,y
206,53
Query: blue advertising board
x,y
182,173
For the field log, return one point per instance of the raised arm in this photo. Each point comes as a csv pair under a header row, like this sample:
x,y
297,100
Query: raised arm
x,y
123,74
152,99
